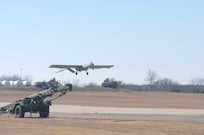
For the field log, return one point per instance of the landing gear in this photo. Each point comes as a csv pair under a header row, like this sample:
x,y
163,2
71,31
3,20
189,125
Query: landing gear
x,y
76,73
87,73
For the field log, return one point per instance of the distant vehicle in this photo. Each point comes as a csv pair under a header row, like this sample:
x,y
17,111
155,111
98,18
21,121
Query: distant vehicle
x,y
110,83
79,68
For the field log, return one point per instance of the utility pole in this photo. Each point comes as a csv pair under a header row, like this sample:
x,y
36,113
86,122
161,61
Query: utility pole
x,y
21,74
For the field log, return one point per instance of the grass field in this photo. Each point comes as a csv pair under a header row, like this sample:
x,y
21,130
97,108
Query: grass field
x,y
112,98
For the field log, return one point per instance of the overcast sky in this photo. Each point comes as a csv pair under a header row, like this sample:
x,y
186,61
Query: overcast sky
x,y
166,36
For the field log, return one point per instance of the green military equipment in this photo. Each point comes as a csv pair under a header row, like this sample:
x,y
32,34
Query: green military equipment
x,y
39,102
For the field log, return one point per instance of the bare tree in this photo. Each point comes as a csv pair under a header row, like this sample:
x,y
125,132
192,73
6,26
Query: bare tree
x,y
28,78
197,84
167,84
15,77
92,85
152,78
4,77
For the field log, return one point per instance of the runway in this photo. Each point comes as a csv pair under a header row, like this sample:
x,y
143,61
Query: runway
x,y
118,113
76,111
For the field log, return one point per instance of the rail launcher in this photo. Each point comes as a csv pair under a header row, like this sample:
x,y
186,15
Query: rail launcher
x,y
37,103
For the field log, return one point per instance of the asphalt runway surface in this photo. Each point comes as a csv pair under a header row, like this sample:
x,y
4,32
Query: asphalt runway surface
x,y
118,113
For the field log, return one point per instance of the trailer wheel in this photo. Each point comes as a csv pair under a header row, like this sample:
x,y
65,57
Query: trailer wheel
x,y
19,111
44,113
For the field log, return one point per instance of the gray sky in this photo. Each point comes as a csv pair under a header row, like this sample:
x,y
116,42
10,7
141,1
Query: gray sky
x,y
135,36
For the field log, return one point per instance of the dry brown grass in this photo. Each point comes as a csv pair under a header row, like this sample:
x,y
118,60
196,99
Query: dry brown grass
x,y
71,126
118,99
64,126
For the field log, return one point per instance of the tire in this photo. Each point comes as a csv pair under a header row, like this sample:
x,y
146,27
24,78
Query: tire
x,y
45,112
19,111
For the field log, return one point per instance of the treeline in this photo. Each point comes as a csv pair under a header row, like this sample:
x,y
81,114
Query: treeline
x,y
15,77
175,88
154,82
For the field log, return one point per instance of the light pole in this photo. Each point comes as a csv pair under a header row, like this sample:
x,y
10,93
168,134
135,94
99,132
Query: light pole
x,y
8,78
21,74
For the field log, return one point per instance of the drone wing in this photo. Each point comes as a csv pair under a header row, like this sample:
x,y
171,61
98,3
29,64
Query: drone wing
x,y
100,66
68,67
